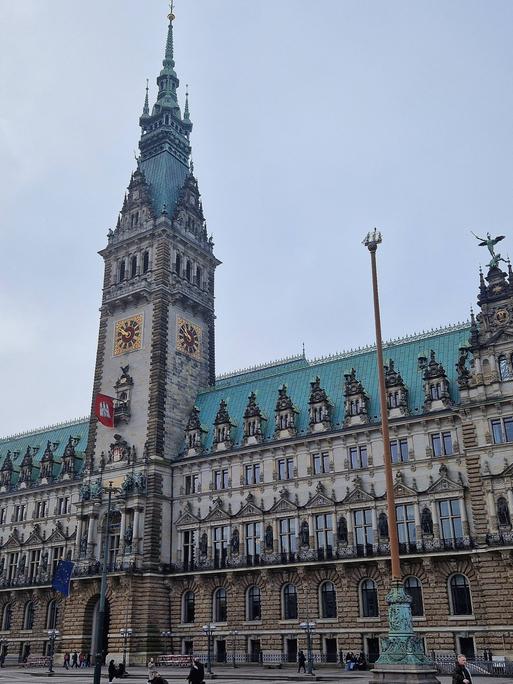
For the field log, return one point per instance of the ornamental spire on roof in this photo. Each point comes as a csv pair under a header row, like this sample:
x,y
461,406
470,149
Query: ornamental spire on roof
x,y
146,108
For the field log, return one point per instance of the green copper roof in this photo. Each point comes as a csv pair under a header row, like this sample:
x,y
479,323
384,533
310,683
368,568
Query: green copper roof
x,y
59,434
297,374
165,176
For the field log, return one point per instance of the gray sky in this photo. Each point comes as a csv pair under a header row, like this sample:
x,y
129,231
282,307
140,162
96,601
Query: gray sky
x,y
313,122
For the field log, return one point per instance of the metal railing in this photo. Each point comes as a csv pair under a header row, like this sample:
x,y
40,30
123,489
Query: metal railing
x,y
476,666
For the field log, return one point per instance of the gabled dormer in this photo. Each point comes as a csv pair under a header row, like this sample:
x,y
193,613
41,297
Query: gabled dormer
x,y
47,463
397,393
137,213
319,407
26,468
356,401
253,421
68,459
194,433
285,415
222,429
436,383
6,472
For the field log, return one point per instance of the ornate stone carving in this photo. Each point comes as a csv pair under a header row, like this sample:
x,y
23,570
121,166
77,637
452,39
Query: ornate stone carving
x,y
222,428
319,407
397,393
123,389
119,450
285,414
253,418
356,400
436,384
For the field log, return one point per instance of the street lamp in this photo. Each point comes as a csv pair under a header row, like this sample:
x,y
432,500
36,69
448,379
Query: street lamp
x,y
209,630
402,656
52,635
167,634
308,628
126,633
233,634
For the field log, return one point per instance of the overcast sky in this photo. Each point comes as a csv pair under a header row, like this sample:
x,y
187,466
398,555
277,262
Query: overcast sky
x,y
313,122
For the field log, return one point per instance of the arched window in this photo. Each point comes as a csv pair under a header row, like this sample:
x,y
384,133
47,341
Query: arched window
x,y
188,270
461,603
7,617
146,261
52,614
133,266
368,598
28,615
486,368
220,607
413,587
503,512
328,600
504,369
254,609
122,270
198,276
178,264
289,602
188,606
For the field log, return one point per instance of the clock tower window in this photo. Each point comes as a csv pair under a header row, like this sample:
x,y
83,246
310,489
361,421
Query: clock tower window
x,y
133,266
188,270
122,270
146,261
198,276
178,264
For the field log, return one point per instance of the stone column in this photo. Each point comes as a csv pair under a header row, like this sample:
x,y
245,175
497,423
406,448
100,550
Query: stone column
x,y
122,529
418,527
464,518
492,513
510,501
91,536
436,518
79,536
276,535
210,547
135,540
350,532
375,531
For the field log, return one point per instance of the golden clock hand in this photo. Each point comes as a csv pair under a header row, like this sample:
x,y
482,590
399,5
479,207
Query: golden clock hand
x,y
125,333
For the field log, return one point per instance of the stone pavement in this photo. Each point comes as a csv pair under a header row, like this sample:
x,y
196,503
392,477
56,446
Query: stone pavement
x,y
223,675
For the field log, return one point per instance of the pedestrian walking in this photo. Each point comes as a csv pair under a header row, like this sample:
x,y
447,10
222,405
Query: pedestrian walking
x,y
112,670
301,661
74,659
196,673
461,674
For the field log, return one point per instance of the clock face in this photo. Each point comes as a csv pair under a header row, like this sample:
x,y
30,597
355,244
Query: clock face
x,y
188,338
128,334
502,316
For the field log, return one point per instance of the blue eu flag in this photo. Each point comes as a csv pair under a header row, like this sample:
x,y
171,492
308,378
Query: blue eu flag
x,y
62,576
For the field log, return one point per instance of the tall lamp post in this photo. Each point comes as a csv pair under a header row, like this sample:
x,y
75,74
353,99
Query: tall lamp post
x,y
103,591
167,634
308,628
126,633
52,635
209,630
402,656
234,634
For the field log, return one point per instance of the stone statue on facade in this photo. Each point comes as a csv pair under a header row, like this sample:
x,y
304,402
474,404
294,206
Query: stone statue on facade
x,y
503,513
203,545
269,537
426,521
83,545
129,535
234,542
304,534
342,530
383,525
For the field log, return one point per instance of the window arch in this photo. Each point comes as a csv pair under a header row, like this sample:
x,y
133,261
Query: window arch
x,y
220,605
7,617
254,604
133,266
189,601
178,264
289,602
188,270
328,600
503,515
459,591
413,587
28,615
122,270
52,614
368,598
146,261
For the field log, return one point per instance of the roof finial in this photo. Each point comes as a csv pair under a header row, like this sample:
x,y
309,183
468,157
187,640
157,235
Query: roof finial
x,y
169,60
171,15
146,108
304,356
186,113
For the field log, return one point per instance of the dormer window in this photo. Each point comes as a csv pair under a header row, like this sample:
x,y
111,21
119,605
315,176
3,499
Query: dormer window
x,y
393,400
354,407
435,391
356,400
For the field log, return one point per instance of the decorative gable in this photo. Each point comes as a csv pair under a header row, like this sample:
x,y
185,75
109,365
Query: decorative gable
x,y
319,407
400,488
357,494
319,499
397,393
436,384
249,508
284,504
217,512
253,419
194,433
444,484
356,400
285,415
222,427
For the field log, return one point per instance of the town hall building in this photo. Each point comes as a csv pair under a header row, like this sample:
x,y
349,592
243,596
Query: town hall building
x,y
255,501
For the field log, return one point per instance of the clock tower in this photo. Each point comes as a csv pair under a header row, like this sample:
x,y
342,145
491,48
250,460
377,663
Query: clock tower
x,y
156,338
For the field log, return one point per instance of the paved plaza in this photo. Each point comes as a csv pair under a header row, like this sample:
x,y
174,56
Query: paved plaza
x,y
251,675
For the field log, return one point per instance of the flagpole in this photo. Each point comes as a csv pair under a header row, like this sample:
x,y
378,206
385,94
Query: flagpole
x,y
103,591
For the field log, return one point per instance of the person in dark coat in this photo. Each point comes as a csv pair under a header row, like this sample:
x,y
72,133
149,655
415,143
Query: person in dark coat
x,y
196,673
460,674
301,662
112,671
156,678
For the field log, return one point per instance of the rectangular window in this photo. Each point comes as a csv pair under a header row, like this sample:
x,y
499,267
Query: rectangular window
x,y
442,444
252,474
358,457
363,532
450,519
324,532
12,565
288,542
406,524
320,463
191,483
188,549
399,451
41,509
35,557
221,479
3,516
502,430
63,505
220,541
253,536
19,512
285,468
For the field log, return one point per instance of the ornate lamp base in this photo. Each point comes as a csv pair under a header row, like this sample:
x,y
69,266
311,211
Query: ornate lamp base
x,y
402,659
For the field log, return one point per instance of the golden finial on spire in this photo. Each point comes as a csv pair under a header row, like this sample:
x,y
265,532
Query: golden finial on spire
x,y
171,15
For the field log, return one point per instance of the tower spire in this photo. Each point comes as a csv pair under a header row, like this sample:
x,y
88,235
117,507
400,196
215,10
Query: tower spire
x,y
169,58
186,113
146,108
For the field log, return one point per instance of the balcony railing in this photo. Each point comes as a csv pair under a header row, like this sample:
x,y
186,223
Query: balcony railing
x,y
327,554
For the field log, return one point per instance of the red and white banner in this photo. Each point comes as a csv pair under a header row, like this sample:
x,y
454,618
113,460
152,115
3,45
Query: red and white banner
x,y
104,410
